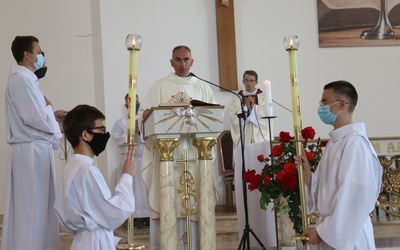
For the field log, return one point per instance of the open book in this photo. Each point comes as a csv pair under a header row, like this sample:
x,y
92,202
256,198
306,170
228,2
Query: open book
x,y
193,102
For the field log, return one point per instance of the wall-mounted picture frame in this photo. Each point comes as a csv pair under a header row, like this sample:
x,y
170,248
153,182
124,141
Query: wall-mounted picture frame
x,y
352,23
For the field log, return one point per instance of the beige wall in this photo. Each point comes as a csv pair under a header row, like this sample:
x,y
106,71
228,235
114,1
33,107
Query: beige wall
x,y
88,61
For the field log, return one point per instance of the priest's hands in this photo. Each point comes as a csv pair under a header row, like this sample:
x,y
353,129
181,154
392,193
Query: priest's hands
x,y
250,101
130,166
302,160
313,236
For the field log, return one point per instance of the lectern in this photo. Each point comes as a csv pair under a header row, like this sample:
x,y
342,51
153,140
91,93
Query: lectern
x,y
176,131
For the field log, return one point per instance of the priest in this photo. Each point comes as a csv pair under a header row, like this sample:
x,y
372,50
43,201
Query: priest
x,y
178,86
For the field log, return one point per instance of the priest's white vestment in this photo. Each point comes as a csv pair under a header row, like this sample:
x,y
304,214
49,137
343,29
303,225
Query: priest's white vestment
x,y
344,189
255,129
86,207
256,142
171,89
32,131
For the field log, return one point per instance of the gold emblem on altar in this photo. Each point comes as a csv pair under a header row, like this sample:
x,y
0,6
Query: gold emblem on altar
x,y
190,116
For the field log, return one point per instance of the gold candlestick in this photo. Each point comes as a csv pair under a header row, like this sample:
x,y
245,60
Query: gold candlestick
x,y
291,44
133,44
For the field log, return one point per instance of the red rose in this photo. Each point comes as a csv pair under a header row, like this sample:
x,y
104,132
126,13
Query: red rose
x,y
288,180
260,158
308,133
276,150
310,155
267,180
289,167
248,175
252,178
254,182
324,143
284,137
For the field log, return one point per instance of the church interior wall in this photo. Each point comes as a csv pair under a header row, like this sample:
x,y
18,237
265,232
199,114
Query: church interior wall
x,y
88,61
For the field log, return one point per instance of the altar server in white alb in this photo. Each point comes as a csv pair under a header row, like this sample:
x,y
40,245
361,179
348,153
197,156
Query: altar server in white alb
x,y
256,142
176,87
119,134
348,179
84,204
32,132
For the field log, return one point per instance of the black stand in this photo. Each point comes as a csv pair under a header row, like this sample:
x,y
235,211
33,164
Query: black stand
x,y
247,230
272,162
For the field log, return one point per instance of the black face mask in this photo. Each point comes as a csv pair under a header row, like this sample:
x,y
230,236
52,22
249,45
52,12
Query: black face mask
x,y
40,73
98,142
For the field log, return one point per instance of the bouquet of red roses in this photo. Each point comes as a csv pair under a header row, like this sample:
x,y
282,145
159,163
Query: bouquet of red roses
x,y
278,179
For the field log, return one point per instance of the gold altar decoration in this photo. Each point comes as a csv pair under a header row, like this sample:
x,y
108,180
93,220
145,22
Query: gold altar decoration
x,y
166,148
388,151
186,181
204,147
189,115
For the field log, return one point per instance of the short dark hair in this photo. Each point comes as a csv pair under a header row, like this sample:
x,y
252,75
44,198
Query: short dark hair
x,y
344,88
252,73
80,118
22,44
181,47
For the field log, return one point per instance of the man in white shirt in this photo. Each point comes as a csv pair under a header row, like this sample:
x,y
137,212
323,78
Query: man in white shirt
x,y
32,132
348,179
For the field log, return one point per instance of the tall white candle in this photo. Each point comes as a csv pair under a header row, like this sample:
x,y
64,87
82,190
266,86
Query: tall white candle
x,y
268,97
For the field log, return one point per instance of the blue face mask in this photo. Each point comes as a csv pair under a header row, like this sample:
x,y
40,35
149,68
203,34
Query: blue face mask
x,y
325,114
39,62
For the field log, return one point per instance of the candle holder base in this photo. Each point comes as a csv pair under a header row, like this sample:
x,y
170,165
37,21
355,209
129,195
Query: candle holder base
x,y
130,247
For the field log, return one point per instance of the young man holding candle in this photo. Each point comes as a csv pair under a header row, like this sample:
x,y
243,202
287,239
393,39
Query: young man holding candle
x,y
348,179
119,135
256,142
84,204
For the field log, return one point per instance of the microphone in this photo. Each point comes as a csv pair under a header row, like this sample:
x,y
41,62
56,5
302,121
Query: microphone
x,y
230,91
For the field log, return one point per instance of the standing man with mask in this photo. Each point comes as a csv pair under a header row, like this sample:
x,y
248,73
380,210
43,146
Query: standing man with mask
x,y
85,205
32,132
348,175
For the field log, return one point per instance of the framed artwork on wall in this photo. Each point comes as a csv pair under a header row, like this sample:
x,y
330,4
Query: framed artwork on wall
x,y
351,23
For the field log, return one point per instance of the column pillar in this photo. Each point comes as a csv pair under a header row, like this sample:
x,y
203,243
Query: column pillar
x,y
207,193
168,220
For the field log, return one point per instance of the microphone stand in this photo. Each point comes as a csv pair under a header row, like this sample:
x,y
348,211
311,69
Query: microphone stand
x,y
247,230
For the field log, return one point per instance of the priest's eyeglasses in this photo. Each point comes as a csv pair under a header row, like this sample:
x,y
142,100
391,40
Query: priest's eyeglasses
x,y
101,128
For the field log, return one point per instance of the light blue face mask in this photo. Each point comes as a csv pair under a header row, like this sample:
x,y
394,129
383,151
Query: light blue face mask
x,y
325,114
39,62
